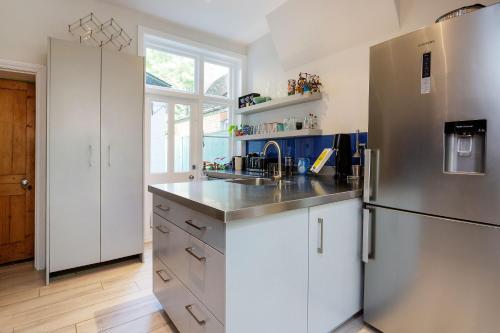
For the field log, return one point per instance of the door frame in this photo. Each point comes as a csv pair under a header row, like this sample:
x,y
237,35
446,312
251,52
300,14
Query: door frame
x,y
40,73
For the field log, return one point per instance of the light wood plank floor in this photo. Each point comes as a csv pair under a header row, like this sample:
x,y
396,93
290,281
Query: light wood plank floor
x,y
112,298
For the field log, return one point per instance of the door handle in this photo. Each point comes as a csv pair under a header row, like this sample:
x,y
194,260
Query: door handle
x,y
90,155
366,252
109,155
25,184
189,308
320,235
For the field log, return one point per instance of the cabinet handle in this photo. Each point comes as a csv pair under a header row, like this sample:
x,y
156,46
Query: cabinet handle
x,y
163,275
90,155
320,235
189,308
191,224
194,255
109,155
160,229
367,244
160,207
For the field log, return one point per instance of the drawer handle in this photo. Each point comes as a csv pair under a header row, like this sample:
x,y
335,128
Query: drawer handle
x,y
160,207
190,251
189,308
163,231
163,275
191,224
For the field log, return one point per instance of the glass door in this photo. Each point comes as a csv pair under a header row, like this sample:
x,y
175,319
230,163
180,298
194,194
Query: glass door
x,y
171,136
171,154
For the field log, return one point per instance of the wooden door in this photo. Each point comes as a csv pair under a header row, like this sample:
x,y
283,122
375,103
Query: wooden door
x,y
17,164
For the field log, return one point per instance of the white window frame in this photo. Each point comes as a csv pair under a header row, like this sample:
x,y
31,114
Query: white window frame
x,y
149,38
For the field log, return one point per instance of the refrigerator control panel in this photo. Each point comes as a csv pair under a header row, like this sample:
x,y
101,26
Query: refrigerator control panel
x,y
425,83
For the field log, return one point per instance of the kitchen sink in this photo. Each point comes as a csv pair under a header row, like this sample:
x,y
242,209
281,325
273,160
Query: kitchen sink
x,y
258,181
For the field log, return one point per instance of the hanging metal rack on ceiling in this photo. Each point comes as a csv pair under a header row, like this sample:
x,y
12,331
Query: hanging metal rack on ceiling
x,y
90,30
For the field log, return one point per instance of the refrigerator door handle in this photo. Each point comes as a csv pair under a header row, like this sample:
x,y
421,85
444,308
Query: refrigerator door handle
x,y
370,183
367,230
368,171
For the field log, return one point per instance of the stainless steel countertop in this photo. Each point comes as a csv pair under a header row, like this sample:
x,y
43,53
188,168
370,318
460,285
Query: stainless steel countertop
x,y
230,201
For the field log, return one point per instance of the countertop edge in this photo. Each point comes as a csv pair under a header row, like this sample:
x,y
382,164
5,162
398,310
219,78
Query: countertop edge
x,y
195,205
257,211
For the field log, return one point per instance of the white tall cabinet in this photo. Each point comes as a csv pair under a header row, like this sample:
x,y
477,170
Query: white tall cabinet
x,y
95,158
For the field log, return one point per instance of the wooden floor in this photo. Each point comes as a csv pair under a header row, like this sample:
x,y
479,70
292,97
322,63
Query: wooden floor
x,y
112,298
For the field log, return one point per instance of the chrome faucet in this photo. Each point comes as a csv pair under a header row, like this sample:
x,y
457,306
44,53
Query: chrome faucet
x,y
264,152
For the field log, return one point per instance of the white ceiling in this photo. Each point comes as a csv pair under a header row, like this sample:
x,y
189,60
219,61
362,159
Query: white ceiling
x,y
242,21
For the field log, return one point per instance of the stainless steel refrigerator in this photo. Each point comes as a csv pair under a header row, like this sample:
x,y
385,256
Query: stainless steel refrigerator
x,y
431,236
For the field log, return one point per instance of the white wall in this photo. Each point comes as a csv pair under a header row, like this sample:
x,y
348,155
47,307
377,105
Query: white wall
x,y
26,24
345,74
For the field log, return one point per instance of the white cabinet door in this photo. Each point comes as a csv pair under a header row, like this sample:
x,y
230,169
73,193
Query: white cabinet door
x,y
121,155
73,154
334,264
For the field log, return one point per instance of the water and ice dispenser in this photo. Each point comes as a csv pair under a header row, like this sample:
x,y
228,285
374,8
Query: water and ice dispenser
x,y
465,147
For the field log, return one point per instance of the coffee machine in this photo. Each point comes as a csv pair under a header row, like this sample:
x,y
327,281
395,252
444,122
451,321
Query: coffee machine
x,y
343,156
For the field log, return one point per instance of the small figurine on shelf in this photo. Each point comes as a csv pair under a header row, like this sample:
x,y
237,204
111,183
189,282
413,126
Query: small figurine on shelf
x,y
307,85
315,84
291,87
301,83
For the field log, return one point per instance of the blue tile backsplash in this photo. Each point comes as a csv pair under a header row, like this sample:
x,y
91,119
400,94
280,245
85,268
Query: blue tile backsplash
x,y
309,147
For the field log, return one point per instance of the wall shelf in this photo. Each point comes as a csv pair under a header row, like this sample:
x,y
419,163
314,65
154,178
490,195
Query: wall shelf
x,y
280,103
281,135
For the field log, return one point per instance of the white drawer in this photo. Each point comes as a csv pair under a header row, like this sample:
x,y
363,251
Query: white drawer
x,y
205,275
206,228
186,311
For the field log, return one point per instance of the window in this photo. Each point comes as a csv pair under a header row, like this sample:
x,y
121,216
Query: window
x,y
217,79
159,137
182,137
169,70
199,87
215,133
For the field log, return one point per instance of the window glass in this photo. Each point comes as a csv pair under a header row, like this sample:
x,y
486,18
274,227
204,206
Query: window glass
x,y
215,133
159,137
182,137
216,80
169,70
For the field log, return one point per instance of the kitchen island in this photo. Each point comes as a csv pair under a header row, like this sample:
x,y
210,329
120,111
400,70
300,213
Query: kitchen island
x,y
232,256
